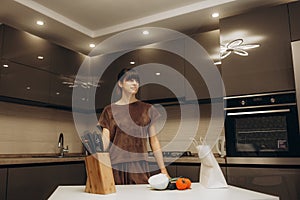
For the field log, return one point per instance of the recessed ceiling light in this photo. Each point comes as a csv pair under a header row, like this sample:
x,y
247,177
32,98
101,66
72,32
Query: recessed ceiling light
x,y
40,57
57,93
5,65
28,88
92,45
157,73
146,32
215,15
40,23
132,62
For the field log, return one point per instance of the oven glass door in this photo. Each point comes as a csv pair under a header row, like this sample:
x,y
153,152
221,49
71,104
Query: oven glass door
x,y
260,132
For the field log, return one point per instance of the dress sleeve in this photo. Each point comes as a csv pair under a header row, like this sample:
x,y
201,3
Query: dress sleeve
x,y
153,114
105,119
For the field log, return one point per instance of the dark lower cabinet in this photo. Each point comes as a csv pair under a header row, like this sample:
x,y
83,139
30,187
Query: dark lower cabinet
x,y
155,170
190,171
39,182
3,179
283,182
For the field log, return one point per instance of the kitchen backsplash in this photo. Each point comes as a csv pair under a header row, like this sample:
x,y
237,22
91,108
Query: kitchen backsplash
x,y
29,129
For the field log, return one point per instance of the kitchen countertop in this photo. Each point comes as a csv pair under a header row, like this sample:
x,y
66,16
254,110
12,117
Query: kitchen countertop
x,y
39,159
145,192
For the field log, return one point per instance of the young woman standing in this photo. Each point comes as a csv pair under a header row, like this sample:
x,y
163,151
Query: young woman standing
x,y
127,125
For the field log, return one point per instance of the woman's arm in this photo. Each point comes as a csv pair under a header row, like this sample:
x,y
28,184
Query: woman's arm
x,y
155,146
105,138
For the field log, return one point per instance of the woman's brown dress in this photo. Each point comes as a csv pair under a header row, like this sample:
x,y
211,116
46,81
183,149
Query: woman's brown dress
x,y
128,126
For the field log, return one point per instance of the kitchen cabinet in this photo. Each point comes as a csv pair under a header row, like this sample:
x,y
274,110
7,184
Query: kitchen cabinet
x,y
188,170
23,82
280,181
148,62
49,78
65,61
1,38
294,14
154,169
210,41
40,181
22,47
164,73
60,92
267,68
105,94
3,179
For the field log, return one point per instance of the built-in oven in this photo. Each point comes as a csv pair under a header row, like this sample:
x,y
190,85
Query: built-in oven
x,y
262,125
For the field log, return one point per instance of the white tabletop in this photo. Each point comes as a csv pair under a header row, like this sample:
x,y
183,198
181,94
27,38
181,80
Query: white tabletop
x,y
145,192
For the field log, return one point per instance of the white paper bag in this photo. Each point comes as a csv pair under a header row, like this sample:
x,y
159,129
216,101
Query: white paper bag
x,y
211,175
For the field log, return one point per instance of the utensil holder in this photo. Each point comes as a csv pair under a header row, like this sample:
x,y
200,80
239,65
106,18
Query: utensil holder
x,y
100,178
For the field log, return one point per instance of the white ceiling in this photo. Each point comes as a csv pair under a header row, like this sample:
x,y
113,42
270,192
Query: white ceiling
x,y
76,23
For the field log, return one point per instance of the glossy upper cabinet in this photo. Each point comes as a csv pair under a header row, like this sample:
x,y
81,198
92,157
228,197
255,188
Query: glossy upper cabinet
x,y
210,42
24,48
38,70
23,82
267,68
294,13
1,38
65,61
163,75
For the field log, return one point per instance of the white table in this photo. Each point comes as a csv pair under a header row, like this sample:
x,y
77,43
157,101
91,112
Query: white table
x,y
144,192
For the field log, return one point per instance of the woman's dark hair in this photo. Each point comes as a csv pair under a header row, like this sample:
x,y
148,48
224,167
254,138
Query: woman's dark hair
x,y
128,74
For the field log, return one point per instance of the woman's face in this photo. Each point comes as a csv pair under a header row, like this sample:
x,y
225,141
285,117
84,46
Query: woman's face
x,y
130,86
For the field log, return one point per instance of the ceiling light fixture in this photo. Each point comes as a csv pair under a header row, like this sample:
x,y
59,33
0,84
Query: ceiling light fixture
x,y
40,23
92,45
146,32
157,73
40,57
77,83
215,15
5,65
237,47
132,62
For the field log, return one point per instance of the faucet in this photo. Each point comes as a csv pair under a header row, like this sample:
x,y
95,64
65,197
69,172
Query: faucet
x,y
61,147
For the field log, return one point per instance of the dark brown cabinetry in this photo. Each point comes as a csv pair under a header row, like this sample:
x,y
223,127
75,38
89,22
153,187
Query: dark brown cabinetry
x,y
39,182
210,41
27,49
190,171
1,38
3,179
46,79
164,73
267,68
65,62
283,182
23,82
294,13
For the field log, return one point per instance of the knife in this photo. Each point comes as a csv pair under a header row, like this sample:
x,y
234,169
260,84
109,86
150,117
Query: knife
x,y
91,142
98,142
85,142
